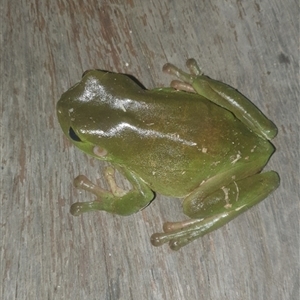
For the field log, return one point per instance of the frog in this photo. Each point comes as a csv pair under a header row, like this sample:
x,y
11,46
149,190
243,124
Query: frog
x,y
198,140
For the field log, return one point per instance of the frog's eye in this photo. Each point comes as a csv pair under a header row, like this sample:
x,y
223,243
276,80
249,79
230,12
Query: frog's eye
x,y
73,135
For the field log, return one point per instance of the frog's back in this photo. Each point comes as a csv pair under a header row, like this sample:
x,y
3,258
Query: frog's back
x,y
177,136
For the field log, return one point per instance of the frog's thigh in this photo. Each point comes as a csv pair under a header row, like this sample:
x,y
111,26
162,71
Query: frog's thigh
x,y
234,198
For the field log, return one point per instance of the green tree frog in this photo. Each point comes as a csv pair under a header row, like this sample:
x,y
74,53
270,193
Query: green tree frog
x,y
199,140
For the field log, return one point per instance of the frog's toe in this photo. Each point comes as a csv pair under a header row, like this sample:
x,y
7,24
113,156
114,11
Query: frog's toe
x,y
177,234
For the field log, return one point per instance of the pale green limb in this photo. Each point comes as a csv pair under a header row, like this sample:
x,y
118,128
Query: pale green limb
x,y
118,201
224,96
221,207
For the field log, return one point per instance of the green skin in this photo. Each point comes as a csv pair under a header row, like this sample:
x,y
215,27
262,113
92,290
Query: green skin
x,y
200,140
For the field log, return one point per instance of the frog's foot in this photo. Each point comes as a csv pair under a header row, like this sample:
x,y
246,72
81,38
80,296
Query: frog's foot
x,y
118,200
217,209
179,234
83,183
186,79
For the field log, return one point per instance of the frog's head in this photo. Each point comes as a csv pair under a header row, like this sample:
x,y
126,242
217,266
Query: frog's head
x,y
82,112
93,111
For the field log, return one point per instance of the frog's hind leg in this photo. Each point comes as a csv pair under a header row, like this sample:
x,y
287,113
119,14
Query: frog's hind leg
x,y
216,209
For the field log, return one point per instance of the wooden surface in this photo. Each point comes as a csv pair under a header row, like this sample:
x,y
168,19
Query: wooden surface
x,y
48,254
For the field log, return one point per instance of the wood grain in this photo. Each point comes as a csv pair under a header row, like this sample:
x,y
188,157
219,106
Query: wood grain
x,y
48,254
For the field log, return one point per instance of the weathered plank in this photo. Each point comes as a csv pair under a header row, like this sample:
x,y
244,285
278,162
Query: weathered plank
x,y
48,254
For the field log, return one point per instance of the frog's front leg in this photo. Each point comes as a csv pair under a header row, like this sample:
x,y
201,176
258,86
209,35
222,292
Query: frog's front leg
x,y
216,209
118,201
224,96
